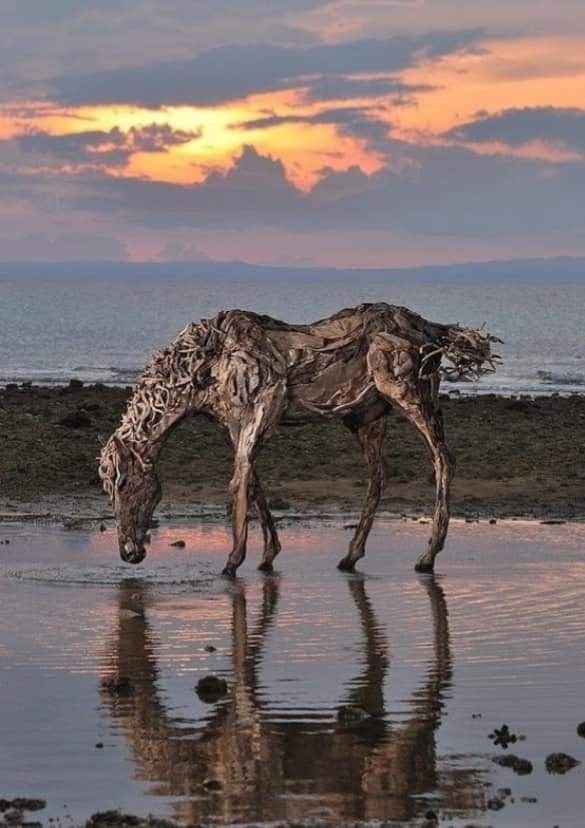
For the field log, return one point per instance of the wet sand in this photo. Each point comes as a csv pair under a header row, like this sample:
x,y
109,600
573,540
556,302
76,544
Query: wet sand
x,y
351,699
515,457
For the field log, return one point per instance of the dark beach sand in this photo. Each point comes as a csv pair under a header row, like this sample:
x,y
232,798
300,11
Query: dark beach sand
x,y
515,457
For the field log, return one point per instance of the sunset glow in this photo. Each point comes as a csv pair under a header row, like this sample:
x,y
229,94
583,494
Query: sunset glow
x,y
352,104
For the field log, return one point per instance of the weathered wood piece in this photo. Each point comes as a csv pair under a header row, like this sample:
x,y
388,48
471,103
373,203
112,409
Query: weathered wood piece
x,y
248,373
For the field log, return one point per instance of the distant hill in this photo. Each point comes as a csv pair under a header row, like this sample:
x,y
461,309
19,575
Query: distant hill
x,y
562,270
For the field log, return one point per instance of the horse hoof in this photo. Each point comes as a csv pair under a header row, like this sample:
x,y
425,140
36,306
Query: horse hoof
x,y
346,566
424,567
266,568
229,572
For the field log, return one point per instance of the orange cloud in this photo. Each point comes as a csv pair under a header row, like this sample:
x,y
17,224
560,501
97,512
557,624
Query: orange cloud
x,y
506,73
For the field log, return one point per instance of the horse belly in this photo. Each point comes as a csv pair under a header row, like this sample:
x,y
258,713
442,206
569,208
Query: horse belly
x,y
330,388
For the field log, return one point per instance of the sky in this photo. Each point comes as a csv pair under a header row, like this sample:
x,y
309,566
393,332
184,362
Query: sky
x,y
349,133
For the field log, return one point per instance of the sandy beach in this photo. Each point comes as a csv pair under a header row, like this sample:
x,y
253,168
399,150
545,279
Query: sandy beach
x,y
515,457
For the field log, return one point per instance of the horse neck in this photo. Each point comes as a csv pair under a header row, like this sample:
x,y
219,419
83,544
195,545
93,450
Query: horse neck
x,y
154,410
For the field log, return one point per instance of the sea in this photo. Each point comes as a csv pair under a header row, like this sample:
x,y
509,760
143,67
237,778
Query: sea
x,y
101,322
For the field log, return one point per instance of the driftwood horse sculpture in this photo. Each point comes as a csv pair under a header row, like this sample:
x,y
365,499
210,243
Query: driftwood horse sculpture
x,y
248,373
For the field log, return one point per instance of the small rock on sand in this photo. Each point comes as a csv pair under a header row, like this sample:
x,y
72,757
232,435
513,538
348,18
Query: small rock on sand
x,y
560,763
115,819
178,544
22,803
520,766
503,736
211,689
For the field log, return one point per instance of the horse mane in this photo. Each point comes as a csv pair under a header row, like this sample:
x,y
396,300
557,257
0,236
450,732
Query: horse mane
x,y
161,387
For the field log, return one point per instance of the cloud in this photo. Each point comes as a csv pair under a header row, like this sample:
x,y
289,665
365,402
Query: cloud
x,y
56,11
344,87
341,116
366,123
255,188
109,148
234,72
516,127
442,201
434,191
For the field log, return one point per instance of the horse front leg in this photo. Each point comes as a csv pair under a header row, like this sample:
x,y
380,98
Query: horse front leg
x,y
430,424
371,439
395,371
239,487
271,540
247,432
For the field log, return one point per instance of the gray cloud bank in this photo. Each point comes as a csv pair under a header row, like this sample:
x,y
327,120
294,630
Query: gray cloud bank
x,y
230,73
105,148
444,191
515,127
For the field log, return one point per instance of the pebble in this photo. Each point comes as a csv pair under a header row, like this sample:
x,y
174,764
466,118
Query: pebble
x,y
178,544
211,689
503,736
560,763
520,766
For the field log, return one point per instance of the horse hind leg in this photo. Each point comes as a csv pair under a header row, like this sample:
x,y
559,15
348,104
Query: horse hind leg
x,y
271,540
371,439
430,425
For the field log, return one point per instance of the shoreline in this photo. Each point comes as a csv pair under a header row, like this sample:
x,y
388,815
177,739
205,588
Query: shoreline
x,y
522,458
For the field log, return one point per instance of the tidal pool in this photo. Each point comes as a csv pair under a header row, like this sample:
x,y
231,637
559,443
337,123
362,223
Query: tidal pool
x,y
351,698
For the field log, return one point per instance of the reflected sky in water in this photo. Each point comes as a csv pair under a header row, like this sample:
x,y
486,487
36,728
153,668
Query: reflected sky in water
x,y
350,697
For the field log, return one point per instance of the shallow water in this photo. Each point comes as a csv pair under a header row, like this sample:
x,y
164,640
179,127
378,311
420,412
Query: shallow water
x,y
499,632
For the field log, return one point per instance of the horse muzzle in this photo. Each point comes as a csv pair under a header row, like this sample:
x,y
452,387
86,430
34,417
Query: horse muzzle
x,y
131,553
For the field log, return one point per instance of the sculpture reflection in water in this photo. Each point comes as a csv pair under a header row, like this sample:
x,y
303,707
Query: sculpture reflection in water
x,y
270,767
